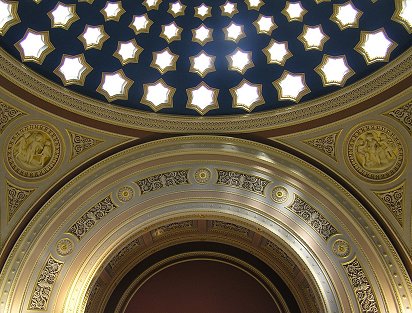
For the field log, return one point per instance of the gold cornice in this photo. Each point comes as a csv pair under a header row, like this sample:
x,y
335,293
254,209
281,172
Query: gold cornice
x,y
378,82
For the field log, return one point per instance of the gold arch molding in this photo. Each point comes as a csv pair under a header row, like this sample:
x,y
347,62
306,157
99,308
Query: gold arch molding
x,y
386,82
350,263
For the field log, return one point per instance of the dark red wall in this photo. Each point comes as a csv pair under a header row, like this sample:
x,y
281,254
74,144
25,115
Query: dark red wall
x,y
201,286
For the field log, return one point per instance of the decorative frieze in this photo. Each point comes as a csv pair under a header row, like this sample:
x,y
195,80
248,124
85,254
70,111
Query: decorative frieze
x,y
278,253
312,217
81,143
242,231
244,181
15,198
325,144
172,227
8,113
44,284
91,217
394,201
159,181
130,247
361,287
403,114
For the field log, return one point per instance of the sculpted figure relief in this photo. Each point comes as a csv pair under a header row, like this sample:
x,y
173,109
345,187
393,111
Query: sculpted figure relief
x,y
33,150
375,151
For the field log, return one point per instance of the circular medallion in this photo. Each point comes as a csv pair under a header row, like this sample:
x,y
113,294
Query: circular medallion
x,y
375,151
341,248
125,194
202,175
280,194
64,246
34,150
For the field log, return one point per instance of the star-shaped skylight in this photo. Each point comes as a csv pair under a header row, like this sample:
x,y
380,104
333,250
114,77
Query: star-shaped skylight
x,y
265,24
128,52
202,34
291,86
294,11
313,37
277,52
115,85
8,15
34,46
234,32
203,11
112,11
93,37
202,63
158,95
403,14
346,15
140,24
152,4
171,32
247,96
334,70
73,69
164,60
176,8
375,46
63,15
202,98
254,4
240,60
229,9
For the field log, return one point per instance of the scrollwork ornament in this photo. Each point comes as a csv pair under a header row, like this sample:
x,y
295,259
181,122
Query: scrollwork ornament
x,y
34,150
8,113
280,194
341,248
125,194
375,152
64,246
202,175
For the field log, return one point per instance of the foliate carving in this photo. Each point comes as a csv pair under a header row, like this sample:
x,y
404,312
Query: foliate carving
x,y
394,201
125,194
375,152
341,248
159,181
325,144
44,285
240,180
361,287
15,197
278,253
8,113
64,246
202,176
91,298
81,143
34,150
231,227
312,217
403,114
91,217
130,247
280,194
172,227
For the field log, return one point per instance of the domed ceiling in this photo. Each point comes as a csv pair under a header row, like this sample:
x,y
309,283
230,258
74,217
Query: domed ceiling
x,y
205,57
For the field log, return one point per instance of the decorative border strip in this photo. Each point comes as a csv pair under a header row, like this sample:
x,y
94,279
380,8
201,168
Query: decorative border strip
x,y
244,181
312,217
44,284
159,181
91,217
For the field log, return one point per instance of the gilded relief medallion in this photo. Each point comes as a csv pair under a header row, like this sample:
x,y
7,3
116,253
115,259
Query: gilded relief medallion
x,y
34,150
375,151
